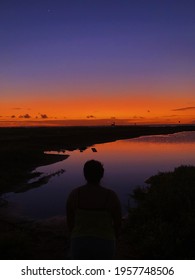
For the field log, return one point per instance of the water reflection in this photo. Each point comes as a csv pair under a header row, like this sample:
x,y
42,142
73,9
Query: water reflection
x,y
127,163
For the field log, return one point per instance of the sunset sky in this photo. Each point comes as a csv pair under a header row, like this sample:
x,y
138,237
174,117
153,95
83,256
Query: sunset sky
x,y
70,62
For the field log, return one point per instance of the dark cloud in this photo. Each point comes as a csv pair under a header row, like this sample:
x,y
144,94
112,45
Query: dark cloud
x,y
44,116
90,117
26,116
16,108
184,109
13,116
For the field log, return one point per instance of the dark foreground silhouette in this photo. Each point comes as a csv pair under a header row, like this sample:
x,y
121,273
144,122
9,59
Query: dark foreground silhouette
x,y
93,216
162,226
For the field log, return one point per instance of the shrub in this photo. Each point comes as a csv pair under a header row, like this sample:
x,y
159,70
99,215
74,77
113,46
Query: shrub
x,y
162,226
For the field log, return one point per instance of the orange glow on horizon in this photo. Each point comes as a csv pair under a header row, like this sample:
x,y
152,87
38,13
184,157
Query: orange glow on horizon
x,y
95,110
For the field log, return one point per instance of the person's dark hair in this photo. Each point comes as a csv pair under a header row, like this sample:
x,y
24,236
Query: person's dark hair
x,y
93,171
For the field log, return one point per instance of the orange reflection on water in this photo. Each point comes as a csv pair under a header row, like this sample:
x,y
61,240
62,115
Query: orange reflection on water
x,y
138,154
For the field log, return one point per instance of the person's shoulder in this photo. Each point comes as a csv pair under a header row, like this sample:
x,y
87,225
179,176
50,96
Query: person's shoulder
x,y
75,191
113,200
108,190
111,193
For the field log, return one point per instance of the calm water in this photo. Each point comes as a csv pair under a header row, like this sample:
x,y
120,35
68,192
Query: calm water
x,y
128,163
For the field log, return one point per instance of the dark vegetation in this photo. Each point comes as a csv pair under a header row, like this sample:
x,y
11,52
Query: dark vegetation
x,y
34,240
162,226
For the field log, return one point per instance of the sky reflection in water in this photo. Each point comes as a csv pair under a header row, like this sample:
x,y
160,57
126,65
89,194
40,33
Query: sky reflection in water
x,y
128,163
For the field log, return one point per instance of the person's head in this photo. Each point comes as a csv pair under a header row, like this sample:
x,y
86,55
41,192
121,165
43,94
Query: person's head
x,y
93,171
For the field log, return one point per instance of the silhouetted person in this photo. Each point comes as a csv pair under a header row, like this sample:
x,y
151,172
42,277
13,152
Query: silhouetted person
x,y
93,216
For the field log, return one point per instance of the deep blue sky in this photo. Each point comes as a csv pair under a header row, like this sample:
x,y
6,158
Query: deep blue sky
x,y
97,47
